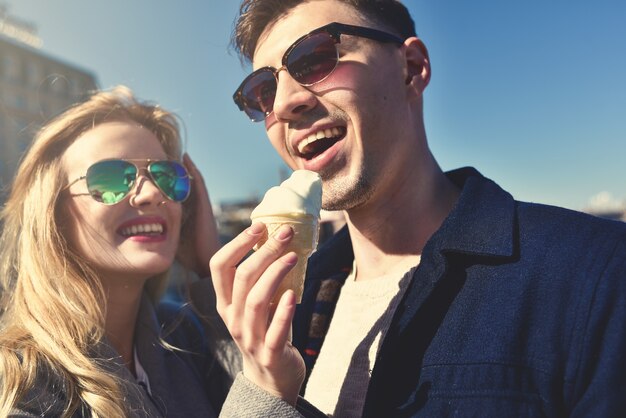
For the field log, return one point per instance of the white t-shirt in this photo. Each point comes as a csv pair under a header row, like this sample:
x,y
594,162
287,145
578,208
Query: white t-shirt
x,y
339,380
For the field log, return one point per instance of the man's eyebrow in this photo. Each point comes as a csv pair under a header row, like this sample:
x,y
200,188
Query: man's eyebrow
x,y
348,43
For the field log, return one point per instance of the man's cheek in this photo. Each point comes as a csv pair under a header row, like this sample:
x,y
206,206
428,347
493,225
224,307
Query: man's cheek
x,y
345,77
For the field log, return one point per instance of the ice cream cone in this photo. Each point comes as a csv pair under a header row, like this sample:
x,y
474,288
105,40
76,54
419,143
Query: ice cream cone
x,y
296,202
303,243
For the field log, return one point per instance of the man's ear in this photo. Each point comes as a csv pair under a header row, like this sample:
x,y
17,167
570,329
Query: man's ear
x,y
417,64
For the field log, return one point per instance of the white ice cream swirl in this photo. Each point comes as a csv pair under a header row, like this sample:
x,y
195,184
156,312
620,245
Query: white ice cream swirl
x,y
299,195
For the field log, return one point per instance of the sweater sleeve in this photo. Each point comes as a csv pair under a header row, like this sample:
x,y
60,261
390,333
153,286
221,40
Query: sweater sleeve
x,y
247,400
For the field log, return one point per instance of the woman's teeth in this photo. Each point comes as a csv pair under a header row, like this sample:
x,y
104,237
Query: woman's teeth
x,y
142,229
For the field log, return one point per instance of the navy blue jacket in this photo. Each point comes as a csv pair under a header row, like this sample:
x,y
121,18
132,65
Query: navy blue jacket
x,y
516,309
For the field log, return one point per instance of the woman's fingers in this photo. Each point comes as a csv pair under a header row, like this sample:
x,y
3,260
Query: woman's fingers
x,y
224,263
250,270
279,330
276,366
206,243
257,310
233,279
244,292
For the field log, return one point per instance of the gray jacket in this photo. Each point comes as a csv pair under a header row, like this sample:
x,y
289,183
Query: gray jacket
x,y
191,382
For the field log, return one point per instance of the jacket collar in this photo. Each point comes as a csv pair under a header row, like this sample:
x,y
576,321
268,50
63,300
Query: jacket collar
x,y
481,224
334,256
482,221
479,227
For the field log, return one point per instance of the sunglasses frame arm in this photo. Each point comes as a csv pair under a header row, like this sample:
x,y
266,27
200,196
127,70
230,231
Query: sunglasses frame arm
x,y
73,182
336,29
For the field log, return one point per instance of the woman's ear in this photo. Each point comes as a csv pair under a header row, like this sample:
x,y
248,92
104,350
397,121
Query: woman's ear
x,y
417,64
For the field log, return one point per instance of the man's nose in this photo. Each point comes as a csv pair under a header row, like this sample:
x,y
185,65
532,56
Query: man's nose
x,y
292,99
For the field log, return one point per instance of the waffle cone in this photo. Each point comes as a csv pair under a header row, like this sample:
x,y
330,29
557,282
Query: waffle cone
x,y
304,241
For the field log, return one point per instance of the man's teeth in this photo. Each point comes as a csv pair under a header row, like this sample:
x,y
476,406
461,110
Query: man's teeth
x,y
142,229
326,133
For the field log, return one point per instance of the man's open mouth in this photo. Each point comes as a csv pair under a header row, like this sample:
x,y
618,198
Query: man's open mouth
x,y
318,142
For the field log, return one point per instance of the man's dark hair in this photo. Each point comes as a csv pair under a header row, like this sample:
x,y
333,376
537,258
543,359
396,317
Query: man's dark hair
x,y
256,15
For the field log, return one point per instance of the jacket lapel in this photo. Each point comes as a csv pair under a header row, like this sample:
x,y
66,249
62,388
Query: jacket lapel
x,y
480,225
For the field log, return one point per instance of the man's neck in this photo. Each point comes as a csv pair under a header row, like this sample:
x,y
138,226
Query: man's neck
x,y
389,232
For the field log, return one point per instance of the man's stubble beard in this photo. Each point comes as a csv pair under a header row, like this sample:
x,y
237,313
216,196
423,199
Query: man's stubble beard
x,y
348,192
344,192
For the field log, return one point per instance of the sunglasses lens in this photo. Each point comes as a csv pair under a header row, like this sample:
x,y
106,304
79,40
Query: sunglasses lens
x,y
258,94
309,62
313,59
172,178
110,181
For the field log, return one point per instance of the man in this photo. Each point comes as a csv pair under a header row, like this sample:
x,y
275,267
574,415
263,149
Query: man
x,y
443,296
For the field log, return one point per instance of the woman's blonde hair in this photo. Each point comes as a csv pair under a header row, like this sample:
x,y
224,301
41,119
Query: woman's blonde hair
x,y
51,315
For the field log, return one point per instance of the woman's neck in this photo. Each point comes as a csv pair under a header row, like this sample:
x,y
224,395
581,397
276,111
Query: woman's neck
x,y
123,302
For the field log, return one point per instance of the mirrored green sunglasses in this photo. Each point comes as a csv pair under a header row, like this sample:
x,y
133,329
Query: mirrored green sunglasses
x,y
110,181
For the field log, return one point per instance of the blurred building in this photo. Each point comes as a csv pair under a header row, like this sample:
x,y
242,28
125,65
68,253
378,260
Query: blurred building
x,y
233,217
34,87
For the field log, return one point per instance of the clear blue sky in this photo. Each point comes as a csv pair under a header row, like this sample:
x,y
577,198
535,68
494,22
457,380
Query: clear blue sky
x,y
531,93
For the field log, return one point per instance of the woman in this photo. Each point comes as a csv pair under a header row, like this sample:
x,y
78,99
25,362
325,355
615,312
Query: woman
x,y
91,228
100,208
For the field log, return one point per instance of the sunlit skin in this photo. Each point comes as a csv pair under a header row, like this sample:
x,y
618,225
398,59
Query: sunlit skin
x,y
352,99
379,171
123,263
